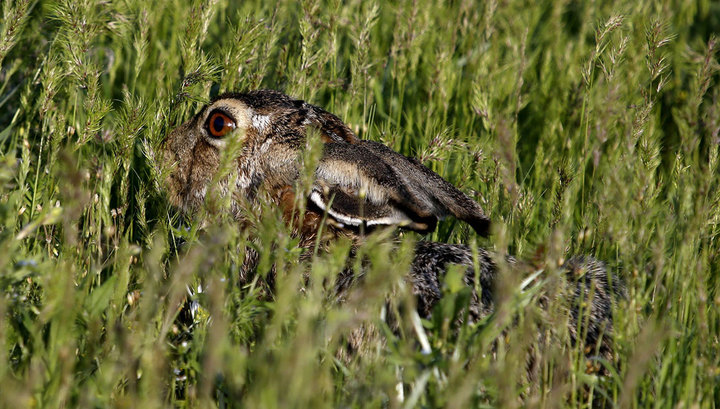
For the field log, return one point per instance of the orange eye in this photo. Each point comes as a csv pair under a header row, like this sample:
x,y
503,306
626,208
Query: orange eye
x,y
220,124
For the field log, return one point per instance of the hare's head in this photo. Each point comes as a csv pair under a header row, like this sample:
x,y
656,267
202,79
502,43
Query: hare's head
x,y
267,126
358,183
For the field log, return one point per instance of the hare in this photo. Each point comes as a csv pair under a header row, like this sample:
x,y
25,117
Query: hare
x,y
359,185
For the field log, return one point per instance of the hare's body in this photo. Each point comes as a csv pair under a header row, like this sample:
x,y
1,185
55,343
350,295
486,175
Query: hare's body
x,y
358,185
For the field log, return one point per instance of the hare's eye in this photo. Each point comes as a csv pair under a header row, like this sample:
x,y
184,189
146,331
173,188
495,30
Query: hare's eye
x,y
220,124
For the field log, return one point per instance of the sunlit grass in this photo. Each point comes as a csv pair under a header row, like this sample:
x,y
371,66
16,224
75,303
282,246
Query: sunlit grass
x,y
580,128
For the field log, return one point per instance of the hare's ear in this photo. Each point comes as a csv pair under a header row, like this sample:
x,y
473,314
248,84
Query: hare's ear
x,y
360,185
331,128
428,187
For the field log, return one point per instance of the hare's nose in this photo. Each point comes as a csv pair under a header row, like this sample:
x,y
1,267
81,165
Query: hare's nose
x,y
181,140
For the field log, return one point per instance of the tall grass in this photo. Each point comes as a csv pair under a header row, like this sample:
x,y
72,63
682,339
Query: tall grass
x,y
581,128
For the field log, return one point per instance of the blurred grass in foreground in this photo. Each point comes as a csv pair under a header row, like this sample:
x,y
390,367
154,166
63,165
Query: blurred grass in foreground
x,y
581,128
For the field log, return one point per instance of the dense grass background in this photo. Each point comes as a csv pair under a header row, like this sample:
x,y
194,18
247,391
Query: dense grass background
x,y
581,128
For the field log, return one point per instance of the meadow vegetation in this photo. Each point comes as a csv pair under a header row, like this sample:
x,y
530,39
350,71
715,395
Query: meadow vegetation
x,y
580,127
